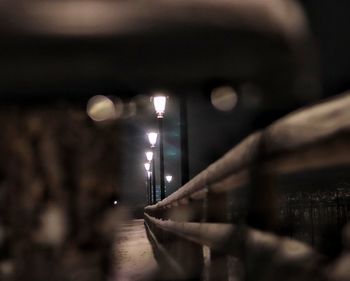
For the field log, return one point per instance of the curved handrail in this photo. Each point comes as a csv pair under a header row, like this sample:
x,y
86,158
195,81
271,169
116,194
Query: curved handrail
x,y
306,127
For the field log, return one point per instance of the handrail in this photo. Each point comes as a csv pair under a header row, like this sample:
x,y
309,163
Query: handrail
x,y
225,237
239,205
306,127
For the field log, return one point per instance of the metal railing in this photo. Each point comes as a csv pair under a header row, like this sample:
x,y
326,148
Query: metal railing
x,y
272,208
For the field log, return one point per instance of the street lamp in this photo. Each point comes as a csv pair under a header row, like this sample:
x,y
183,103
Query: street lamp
x,y
159,102
149,155
149,178
147,168
184,140
169,178
152,138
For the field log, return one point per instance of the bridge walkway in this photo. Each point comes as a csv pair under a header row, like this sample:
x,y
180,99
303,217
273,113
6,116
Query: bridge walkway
x,y
133,252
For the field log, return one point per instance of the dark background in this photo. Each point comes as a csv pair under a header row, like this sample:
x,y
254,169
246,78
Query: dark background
x,y
59,168
45,69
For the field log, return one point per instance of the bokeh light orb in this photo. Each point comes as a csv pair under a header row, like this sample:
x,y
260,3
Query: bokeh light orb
x,y
101,108
224,98
251,95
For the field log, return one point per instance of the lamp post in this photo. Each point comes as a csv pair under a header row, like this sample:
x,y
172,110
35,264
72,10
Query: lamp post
x,y
152,138
159,102
184,141
168,179
149,177
149,156
147,168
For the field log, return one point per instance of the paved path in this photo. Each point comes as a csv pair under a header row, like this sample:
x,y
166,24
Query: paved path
x,y
135,261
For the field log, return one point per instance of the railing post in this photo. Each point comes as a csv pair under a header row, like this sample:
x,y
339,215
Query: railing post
x,y
217,212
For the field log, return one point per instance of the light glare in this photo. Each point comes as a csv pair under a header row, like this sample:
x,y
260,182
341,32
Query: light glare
x,y
169,178
152,138
147,166
149,155
159,103
224,98
101,108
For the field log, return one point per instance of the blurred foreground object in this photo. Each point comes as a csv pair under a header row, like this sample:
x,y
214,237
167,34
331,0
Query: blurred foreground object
x,y
73,46
58,183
